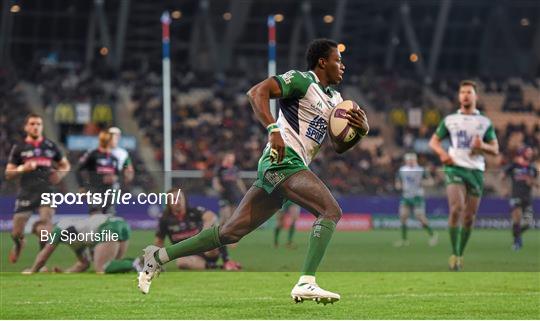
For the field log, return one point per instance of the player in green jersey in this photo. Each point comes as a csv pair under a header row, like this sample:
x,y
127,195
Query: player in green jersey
x,y
99,238
411,179
471,136
306,100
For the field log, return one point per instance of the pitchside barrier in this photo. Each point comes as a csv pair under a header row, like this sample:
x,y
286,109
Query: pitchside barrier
x,y
360,213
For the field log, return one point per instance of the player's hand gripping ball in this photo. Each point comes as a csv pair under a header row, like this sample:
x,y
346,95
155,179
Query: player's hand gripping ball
x,y
348,123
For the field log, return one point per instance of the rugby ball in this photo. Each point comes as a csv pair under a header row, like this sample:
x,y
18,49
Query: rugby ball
x,y
338,126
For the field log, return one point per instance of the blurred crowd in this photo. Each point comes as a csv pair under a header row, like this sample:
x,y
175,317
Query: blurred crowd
x,y
211,115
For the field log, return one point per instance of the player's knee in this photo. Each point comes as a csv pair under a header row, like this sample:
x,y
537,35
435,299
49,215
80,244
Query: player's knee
x,y
333,212
468,221
456,210
229,236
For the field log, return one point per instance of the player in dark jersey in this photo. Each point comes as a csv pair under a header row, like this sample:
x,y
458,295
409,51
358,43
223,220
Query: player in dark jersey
x,y
229,185
98,172
179,222
40,164
523,175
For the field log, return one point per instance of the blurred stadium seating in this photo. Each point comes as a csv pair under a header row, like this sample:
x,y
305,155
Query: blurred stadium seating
x,y
210,110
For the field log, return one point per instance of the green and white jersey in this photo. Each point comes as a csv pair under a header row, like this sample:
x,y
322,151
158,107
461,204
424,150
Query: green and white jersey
x,y
90,224
411,178
304,111
462,128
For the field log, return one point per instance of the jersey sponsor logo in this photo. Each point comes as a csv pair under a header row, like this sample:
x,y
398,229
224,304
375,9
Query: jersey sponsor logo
x,y
317,129
184,235
40,161
105,170
287,77
463,139
27,153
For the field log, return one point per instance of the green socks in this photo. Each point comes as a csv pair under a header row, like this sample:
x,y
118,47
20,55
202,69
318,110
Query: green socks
x,y
119,266
292,229
454,239
276,235
319,238
403,231
206,240
428,230
464,234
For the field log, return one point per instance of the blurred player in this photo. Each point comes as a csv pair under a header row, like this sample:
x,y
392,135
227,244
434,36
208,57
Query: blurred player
x,y
293,212
229,185
40,164
125,165
305,106
471,135
98,171
107,254
410,180
523,175
179,222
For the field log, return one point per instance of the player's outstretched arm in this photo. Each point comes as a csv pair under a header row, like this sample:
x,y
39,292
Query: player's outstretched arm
x,y
41,258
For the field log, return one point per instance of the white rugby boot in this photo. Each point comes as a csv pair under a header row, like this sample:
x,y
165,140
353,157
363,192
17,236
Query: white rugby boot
x,y
311,291
151,269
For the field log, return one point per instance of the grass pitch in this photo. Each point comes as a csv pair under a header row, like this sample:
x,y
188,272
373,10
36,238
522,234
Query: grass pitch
x,y
373,278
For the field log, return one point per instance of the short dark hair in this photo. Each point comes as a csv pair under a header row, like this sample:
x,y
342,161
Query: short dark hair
x,y
319,48
468,82
31,115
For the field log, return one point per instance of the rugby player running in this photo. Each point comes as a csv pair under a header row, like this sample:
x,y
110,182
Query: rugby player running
x,y
305,102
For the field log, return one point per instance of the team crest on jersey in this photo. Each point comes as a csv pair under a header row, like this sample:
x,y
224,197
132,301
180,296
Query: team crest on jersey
x,y
318,106
49,153
317,129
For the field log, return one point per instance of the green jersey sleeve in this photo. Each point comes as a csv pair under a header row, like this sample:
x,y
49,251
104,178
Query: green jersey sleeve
x,y
293,84
490,134
441,130
56,234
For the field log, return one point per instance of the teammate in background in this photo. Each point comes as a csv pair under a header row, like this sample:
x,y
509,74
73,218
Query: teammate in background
x,y
523,175
98,172
125,165
229,185
411,180
179,222
107,254
293,211
471,136
306,101
40,164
